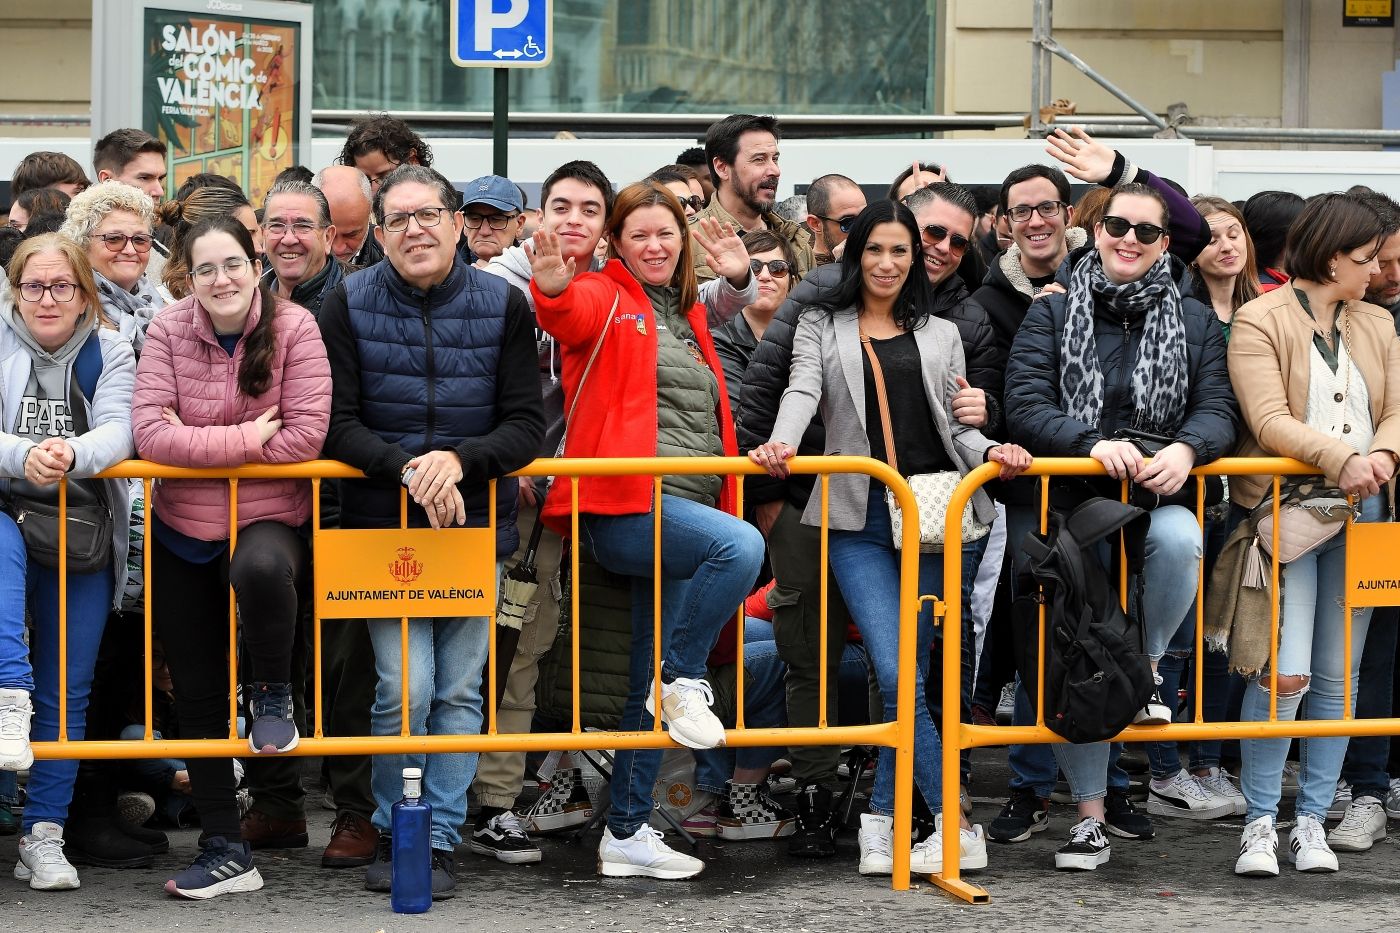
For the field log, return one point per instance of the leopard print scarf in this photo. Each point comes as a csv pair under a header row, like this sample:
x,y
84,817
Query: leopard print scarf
x,y
1159,379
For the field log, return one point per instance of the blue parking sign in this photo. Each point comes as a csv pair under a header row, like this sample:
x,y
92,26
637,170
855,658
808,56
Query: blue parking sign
x,y
502,33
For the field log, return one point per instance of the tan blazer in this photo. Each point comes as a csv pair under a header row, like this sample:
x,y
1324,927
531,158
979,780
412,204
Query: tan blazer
x,y
1270,362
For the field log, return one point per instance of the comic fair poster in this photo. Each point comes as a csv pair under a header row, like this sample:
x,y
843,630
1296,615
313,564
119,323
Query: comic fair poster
x,y
222,94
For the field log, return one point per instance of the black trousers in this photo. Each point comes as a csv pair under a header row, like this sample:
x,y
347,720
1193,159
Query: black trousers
x,y
270,568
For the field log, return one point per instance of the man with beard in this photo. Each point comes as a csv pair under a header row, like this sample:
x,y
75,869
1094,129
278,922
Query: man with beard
x,y
742,150
1384,288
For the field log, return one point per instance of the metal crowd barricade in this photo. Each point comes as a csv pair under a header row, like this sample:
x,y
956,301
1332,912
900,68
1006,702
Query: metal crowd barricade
x,y
898,735
958,735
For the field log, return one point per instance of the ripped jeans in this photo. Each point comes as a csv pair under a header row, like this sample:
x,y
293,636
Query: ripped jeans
x,y
1312,627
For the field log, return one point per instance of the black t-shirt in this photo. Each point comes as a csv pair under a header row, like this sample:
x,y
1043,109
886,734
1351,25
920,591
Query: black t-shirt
x,y
916,440
1040,281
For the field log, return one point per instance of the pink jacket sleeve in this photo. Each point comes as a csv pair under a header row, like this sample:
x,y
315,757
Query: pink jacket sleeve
x,y
180,445
305,407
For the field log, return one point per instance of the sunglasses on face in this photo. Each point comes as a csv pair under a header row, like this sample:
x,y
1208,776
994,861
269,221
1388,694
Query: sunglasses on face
x,y
937,234
1118,227
694,202
842,223
778,268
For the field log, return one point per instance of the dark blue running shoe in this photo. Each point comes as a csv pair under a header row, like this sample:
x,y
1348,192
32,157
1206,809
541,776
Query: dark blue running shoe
x,y
222,868
273,729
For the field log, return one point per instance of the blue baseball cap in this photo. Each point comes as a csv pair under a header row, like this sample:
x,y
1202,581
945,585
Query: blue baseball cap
x,y
500,193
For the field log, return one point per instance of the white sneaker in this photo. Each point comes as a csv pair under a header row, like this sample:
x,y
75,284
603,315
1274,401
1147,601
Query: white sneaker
x,y
1308,846
1341,800
926,858
1087,849
1392,800
41,860
15,713
1361,827
1220,782
685,709
876,839
644,854
1156,712
1183,796
1258,850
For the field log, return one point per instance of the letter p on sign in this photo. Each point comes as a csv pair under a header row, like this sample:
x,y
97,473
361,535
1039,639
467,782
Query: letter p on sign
x,y
487,19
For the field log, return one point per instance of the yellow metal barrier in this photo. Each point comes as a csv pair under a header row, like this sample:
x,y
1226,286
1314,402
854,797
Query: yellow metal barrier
x,y
957,735
898,735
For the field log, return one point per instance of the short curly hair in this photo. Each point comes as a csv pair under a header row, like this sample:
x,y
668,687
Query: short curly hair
x,y
87,209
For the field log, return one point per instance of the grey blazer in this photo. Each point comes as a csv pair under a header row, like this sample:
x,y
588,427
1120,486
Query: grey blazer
x,y
828,373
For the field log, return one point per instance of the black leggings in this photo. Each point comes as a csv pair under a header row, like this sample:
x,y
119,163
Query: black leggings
x,y
269,570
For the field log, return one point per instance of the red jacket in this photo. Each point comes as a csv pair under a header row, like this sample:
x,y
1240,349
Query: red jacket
x,y
617,415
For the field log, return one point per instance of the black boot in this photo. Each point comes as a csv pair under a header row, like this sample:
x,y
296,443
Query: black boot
x,y
816,824
96,840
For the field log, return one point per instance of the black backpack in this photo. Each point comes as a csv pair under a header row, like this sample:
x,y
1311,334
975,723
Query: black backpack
x,y
1097,675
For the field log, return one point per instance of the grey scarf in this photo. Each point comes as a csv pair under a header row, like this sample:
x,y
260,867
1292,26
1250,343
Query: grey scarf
x,y
1159,378
130,311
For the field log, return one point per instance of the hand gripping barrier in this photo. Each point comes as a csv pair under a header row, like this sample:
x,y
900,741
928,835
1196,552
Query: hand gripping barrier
x,y
958,735
898,735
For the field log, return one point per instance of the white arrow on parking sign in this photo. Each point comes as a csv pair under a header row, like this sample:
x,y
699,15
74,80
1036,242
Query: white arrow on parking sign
x,y
513,53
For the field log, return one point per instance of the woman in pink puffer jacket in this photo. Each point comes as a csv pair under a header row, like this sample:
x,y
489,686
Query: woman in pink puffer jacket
x,y
230,375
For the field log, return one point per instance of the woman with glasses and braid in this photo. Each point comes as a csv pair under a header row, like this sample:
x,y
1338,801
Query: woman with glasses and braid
x,y
1122,354
113,222
231,375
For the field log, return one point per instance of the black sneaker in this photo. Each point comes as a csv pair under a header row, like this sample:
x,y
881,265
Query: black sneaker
x,y
272,729
1024,814
748,812
503,838
1087,848
379,876
815,836
444,874
222,868
1124,819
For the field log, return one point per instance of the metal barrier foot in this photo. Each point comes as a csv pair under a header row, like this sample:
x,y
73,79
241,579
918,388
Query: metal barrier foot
x,y
962,890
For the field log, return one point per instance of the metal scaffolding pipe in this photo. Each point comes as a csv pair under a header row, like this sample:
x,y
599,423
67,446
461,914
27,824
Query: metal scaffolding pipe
x,y
1260,134
1049,44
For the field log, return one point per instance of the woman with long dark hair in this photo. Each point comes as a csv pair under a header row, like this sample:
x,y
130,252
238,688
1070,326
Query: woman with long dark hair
x,y
230,375
875,335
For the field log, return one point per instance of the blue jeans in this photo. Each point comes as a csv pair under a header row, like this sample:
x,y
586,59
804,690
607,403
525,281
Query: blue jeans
x,y
50,787
866,566
1164,757
445,659
765,707
1368,757
1311,627
709,563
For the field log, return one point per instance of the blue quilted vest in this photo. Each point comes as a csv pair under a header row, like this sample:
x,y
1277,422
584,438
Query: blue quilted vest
x,y
428,365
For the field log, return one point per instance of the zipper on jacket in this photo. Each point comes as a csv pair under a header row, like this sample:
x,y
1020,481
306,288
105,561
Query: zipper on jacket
x,y
1128,357
432,376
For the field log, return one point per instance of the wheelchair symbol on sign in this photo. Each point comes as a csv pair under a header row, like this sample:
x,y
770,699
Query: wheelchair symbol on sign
x,y
532,50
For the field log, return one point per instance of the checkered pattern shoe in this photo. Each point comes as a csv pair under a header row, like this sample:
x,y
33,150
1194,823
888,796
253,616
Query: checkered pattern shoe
x,y
563,805
749,813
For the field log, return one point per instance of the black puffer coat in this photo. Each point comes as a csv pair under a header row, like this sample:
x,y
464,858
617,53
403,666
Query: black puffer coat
x,y
1036,418
766,378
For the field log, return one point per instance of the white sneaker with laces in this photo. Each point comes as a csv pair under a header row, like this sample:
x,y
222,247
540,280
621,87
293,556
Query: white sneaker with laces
x,y
876,838
685,709
1308,847
41,861
1392,800
15,713
644,854
1258,850
1341,800
1220,782
1361,827
1156,712
926,858
1183,796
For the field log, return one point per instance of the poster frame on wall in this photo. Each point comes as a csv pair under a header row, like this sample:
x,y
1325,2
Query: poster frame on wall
x,y
120,55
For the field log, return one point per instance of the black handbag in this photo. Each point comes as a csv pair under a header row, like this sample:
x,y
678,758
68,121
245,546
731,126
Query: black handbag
x,y
89,515
1150,445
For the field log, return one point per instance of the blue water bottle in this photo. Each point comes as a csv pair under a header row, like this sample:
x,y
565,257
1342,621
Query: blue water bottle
x,y
412,891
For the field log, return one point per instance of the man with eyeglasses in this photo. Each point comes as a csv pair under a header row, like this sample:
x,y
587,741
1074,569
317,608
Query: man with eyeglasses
x,y
833,201
492,213
742,150
298,231
434,389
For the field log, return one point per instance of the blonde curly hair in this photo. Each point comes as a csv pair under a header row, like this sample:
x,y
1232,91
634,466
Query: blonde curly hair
x,y
87,209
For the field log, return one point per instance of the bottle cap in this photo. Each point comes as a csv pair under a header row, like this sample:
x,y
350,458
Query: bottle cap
x,y
413,774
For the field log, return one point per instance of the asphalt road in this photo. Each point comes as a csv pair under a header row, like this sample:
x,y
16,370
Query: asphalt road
x,y
1181,880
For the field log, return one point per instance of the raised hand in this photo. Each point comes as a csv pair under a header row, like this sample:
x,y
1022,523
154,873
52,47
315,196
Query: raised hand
x,y
1084,157
551,272
725,252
